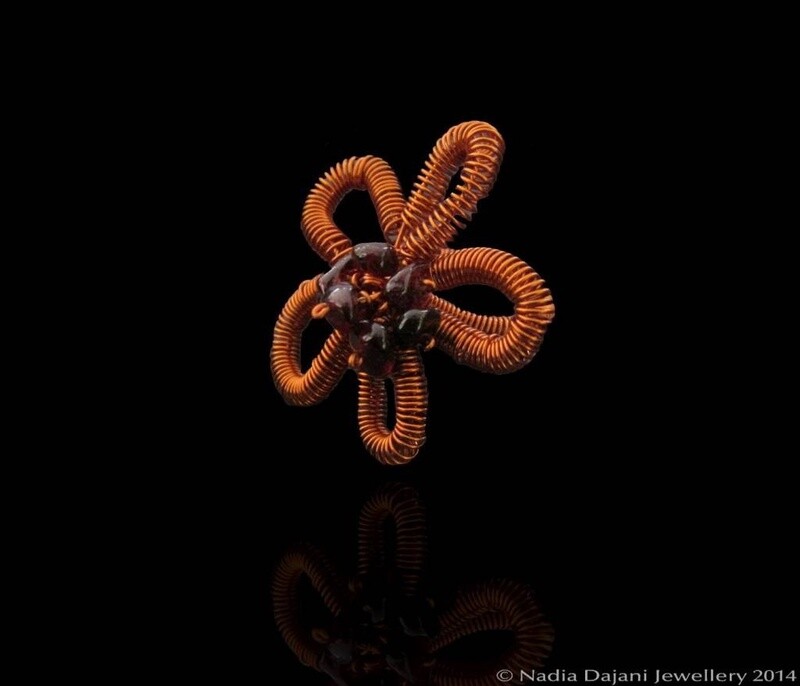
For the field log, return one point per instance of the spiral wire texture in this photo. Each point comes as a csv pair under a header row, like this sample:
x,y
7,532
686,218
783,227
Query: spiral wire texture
x,y
420,230
293,566
430,220
403,442
497,345
401,506
328,366
357,173
495,606
486,323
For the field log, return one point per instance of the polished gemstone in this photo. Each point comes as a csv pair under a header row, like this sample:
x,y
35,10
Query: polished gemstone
x,y
334,274
341,299
405,288
417,323
376,258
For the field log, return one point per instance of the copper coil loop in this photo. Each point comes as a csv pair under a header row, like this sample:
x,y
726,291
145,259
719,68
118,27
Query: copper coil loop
x,y
327,368
419,230
494,606
497,345
400,506
430,220
485,323
371,283
303,561
403,442
357,173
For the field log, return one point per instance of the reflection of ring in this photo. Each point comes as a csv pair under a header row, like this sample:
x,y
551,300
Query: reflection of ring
x,y
505,675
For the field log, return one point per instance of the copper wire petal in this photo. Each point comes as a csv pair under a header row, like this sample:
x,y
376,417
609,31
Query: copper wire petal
x,y
403,442
327,368
497,345
486,323
430,220
357,173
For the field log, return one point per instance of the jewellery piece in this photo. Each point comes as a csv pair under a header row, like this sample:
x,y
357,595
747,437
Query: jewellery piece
x,y
382,627
379,297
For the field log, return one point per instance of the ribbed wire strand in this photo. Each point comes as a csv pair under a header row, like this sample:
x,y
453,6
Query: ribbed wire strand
x,y
430,220
487,347
486,323
356,173
327,368
303,561
422,227
493,606
399,505
403,442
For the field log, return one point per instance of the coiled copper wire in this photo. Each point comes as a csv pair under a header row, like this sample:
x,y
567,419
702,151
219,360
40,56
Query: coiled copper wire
x,y
493,350
420,230
494,606
430,220
403,442
357,173
293,566
487,323
328,366
401,506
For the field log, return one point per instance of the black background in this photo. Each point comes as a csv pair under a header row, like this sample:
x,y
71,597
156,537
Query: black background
x,y
630,474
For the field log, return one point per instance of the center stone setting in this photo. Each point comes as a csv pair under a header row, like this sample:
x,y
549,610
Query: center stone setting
x,y
378,301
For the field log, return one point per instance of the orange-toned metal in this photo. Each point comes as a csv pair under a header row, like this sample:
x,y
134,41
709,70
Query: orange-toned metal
x,y
382,623
402,443
399,506
326,370
494,344
416,233
431,220
357,173
493,606
299,563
